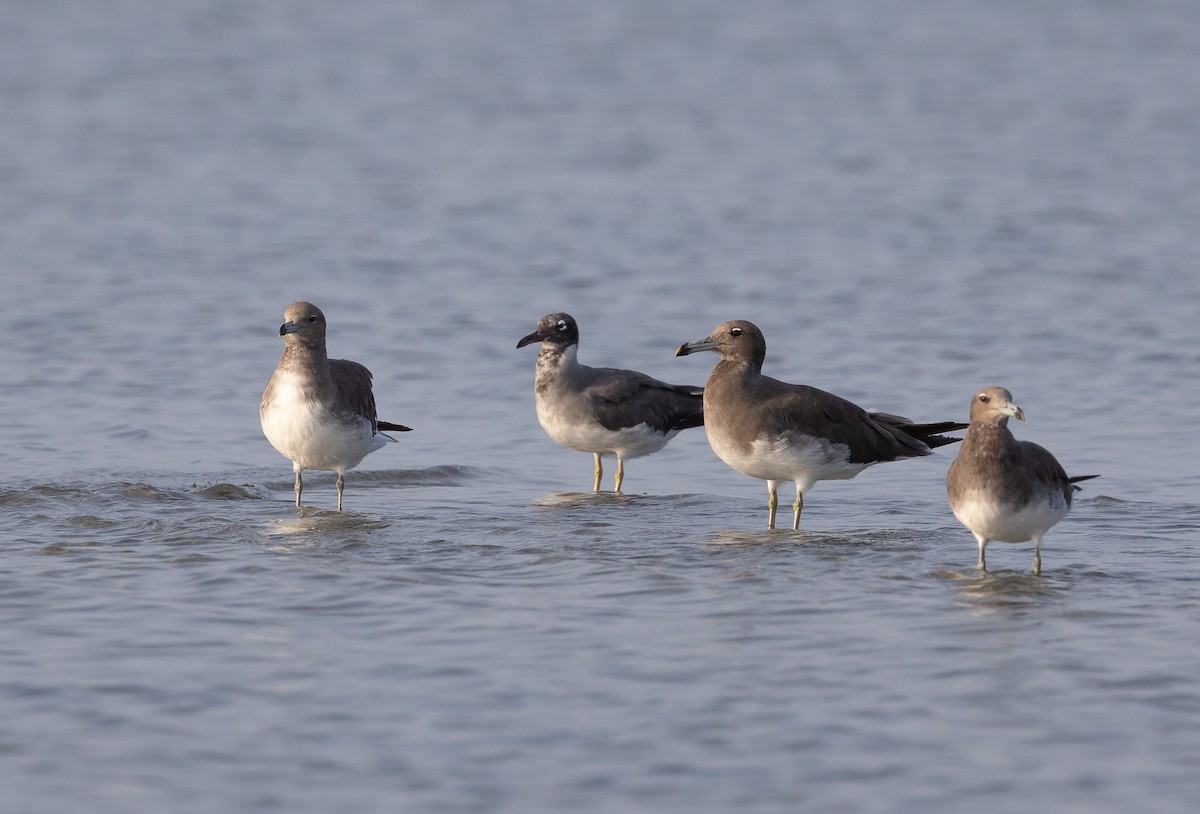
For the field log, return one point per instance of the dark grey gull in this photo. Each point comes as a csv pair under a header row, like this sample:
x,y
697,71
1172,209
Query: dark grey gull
x,y
777,432
1004,489
602,410
319,412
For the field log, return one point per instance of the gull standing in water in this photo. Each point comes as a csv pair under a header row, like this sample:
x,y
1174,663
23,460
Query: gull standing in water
x,y
1004,489
603,410
777,432
319,412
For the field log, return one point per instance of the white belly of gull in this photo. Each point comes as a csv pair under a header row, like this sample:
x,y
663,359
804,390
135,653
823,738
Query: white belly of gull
x,y
311,436
1005,523
590,436
804,461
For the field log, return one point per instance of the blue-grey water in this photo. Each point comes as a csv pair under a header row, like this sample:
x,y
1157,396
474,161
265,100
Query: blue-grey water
x,y
913,200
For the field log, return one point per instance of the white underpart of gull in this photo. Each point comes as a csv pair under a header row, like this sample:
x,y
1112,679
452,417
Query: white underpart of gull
x,y
319,412
777,432
604,411
1002,489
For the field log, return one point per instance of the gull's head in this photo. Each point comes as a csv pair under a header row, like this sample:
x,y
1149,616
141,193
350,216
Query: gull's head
x,y
556,330
994,405
734,341
303,323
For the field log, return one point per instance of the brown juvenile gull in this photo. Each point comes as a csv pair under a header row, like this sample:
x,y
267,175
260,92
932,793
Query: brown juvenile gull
x,y
319,412
603,410
776,431
1004,489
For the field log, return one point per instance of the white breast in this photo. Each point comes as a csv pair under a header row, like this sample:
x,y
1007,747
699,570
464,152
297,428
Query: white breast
x,y
575,431
309,434
805,460
993,520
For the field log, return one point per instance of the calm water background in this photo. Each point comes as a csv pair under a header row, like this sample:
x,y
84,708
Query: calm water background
x,y
911,199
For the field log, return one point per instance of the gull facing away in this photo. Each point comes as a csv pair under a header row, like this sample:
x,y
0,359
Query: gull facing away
x,y
319,412
603,410
1004,489
776,431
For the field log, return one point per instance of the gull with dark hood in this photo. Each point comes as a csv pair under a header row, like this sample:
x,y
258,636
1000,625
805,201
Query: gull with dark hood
x,y
601,410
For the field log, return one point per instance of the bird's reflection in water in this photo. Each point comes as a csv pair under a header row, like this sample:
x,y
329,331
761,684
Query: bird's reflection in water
x,y
761,537
313,521
577,500
1006,588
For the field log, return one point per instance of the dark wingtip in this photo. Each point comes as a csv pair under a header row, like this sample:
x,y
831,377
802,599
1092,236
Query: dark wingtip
x,y
387,425
1074,481
694,420
931,434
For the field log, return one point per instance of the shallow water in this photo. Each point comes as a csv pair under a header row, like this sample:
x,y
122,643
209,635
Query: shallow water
x,y
912,202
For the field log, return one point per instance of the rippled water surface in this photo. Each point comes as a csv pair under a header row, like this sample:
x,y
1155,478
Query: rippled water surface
x,y
912,200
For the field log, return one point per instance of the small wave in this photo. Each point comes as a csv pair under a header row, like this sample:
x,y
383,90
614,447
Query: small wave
x,y
92,522
74,493
228,491
16,498
141,492
171,489
446,475
757,537
321,520
571,500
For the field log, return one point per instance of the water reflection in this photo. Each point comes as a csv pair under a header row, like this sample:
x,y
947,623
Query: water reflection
x,y
1006,588
313,521
576,500
759,537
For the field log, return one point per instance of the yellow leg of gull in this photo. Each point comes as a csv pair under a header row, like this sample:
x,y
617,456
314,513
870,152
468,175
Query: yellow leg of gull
x,y
620,476
772,503
299,487
797,507
599,473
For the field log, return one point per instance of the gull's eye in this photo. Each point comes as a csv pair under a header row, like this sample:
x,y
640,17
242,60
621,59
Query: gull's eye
x,y
312,318
984,398
736,332
562,326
